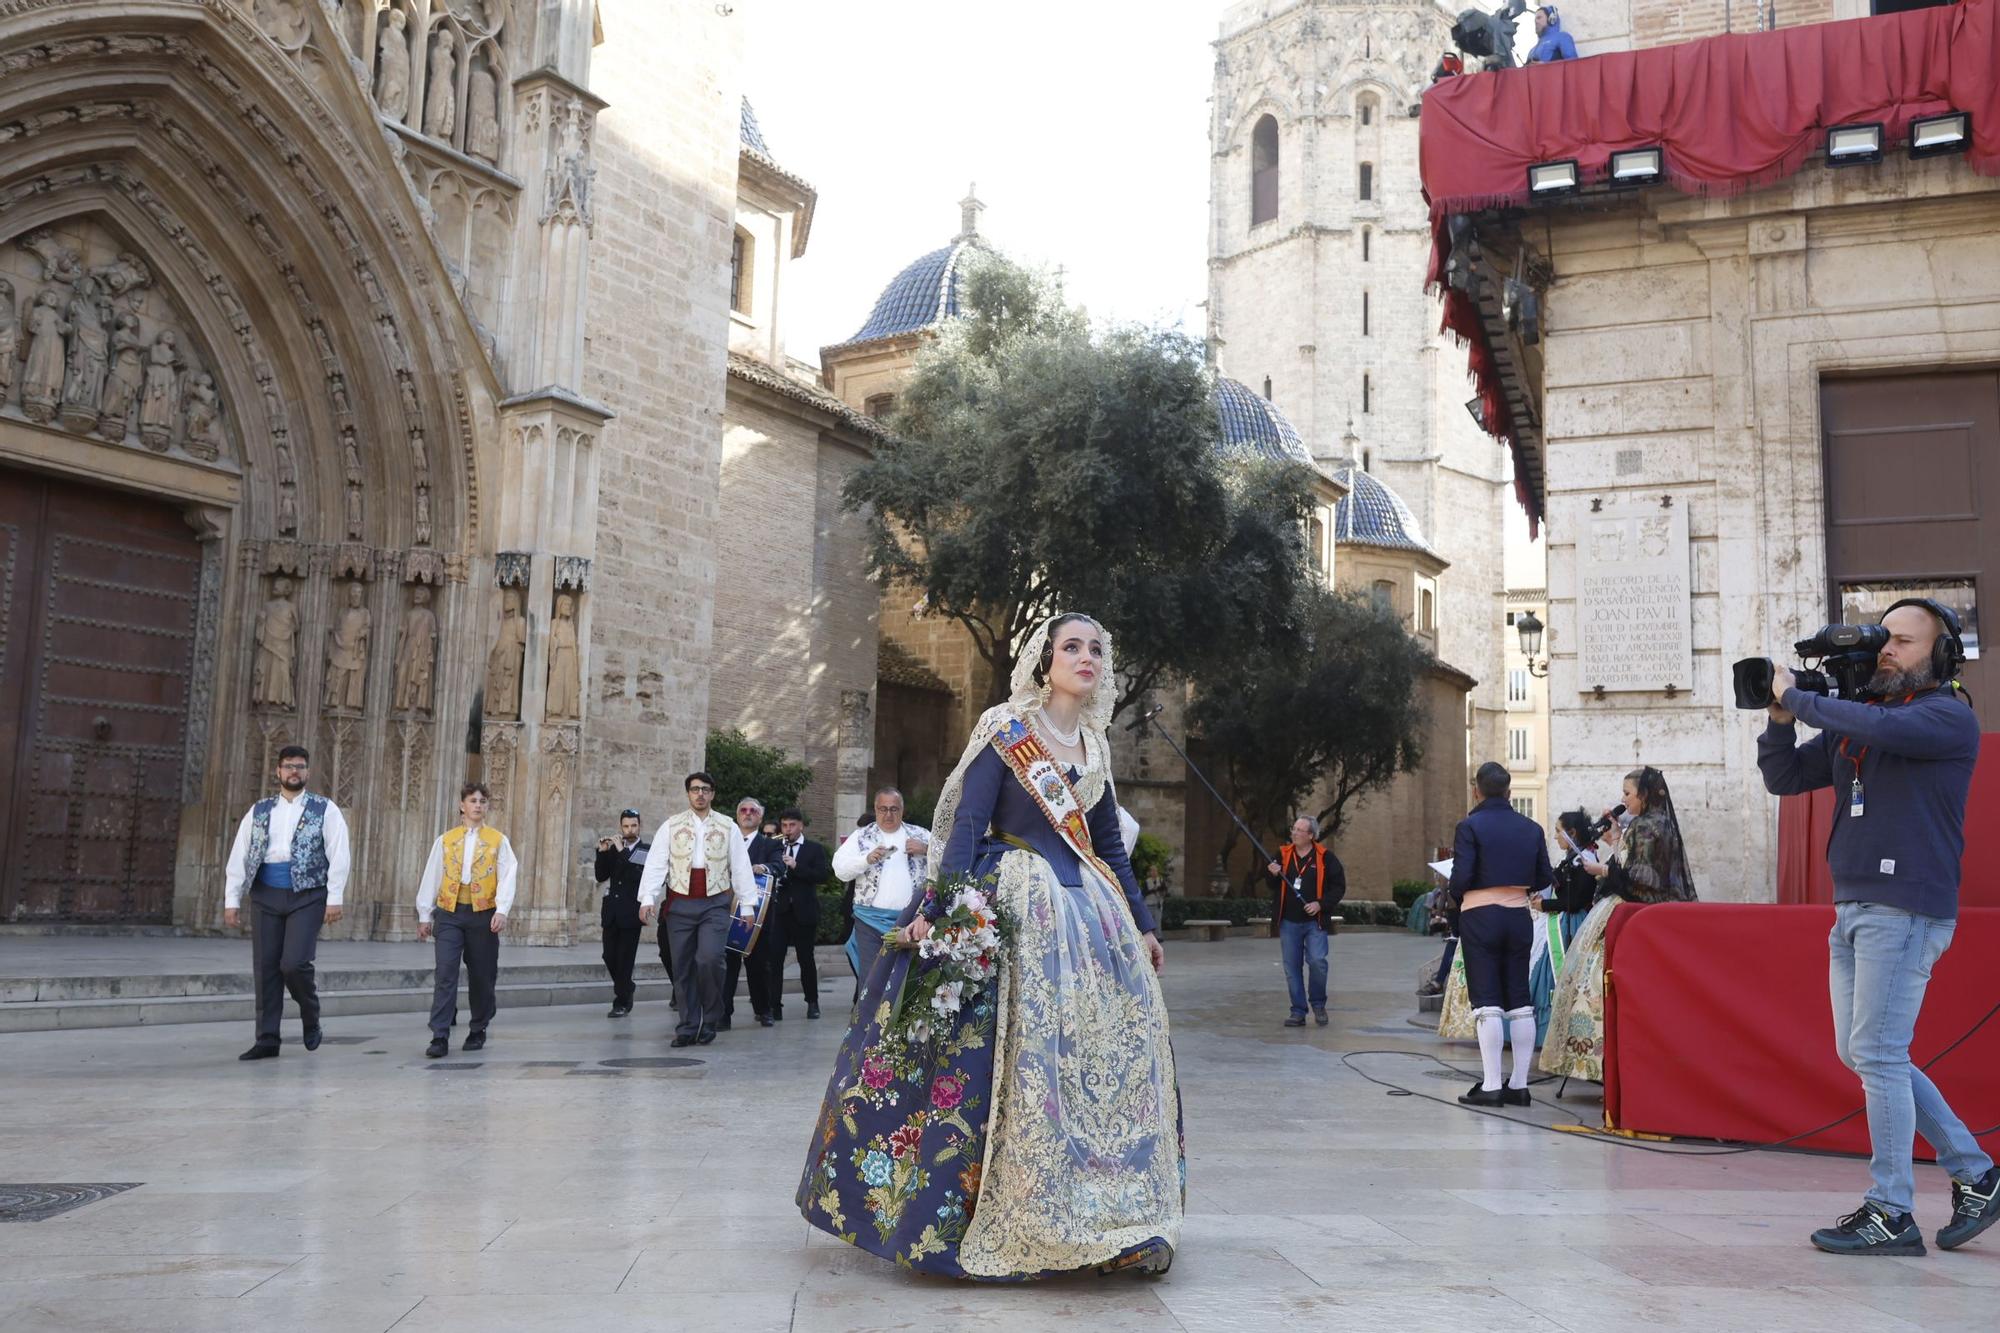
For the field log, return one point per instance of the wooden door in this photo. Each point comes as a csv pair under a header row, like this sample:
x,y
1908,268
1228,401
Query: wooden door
x,y
97,632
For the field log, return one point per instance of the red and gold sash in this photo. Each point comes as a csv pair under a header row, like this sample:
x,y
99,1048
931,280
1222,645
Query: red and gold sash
x,y
1050,789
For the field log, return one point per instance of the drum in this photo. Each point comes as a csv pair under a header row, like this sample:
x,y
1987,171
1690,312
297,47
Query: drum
x,y
744,930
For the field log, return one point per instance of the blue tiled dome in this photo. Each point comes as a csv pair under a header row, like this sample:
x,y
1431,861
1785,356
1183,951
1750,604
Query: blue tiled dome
x,y
1373,515
922,295
1253,424
753,137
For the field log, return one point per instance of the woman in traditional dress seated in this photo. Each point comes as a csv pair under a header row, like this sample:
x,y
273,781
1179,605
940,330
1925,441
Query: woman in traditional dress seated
x,y
1039,1131
1564,909
1648,865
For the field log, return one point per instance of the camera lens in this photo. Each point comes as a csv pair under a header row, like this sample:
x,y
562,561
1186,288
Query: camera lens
x,y
1751,678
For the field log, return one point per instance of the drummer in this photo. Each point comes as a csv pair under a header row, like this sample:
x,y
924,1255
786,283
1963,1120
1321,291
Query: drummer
x,y
699,857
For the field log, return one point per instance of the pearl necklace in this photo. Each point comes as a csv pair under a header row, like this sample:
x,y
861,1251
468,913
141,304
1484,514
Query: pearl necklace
x,y
1072,738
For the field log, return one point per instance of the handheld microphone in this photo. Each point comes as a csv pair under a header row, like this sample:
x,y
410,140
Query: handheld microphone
x,y
1615,815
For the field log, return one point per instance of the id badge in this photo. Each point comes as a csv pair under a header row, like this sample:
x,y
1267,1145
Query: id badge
x,y
1854,802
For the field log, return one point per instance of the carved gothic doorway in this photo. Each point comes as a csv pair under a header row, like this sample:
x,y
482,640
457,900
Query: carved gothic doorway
x,y
98,597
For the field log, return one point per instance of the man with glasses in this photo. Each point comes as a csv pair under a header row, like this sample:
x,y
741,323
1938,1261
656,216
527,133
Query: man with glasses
x,y
698,859
885,862
619,865
803,865
767,960
292,850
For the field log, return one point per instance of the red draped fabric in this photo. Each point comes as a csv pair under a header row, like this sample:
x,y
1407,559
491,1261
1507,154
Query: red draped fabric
x,y
1731,113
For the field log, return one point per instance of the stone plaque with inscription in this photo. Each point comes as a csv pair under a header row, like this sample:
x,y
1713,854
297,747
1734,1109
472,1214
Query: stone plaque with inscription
x,y
1633,601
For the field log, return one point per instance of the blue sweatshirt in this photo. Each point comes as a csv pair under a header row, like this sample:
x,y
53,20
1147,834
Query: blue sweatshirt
x,y
1554,44
1497,847
1903,850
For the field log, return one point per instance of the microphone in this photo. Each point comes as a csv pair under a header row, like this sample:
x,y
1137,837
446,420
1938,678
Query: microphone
x,y
1138,723
1615,815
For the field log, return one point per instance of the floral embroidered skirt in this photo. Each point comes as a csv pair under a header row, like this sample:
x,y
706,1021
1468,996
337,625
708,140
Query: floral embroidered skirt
x,y
1575,1044
1041,1134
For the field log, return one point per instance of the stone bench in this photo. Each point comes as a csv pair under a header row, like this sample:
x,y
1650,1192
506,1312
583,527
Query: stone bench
x,y
1216,930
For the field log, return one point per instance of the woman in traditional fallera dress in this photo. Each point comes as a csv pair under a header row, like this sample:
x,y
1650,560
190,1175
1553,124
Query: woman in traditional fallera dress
x,y
1040,1131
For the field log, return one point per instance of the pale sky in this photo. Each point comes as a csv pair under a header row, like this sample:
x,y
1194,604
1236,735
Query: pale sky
x,y
1084,123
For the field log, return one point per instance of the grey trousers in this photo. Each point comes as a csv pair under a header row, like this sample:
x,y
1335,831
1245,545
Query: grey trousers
x,y
698,931
463,934
284,937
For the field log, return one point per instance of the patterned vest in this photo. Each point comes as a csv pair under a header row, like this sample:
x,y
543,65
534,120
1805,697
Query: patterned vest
x,y
485,881
715,835
869,881
308,843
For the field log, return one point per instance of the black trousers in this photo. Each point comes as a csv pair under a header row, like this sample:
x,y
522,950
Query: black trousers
x,y
463,934
284,937
621,954
666,950
796,930
765,967
1496,941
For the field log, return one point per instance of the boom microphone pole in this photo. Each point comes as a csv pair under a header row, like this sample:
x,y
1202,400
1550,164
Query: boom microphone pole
x,y
1152,715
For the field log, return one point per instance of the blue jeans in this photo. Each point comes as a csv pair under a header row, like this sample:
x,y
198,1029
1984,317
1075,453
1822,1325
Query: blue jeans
x,y
1879,962
1302,944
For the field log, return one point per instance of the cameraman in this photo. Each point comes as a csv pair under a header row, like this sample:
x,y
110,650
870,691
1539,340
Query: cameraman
x,y
1901,766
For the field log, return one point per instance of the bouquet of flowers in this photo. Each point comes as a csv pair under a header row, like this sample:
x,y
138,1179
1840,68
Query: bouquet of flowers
x,y
959,956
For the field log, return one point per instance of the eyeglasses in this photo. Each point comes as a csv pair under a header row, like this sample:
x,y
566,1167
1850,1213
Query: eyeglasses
x,y
293,767
698,788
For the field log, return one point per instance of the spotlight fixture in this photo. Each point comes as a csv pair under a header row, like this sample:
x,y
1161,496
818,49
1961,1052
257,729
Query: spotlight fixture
x,y
1477,407
1934,136
1638,166
1850,145
1551,178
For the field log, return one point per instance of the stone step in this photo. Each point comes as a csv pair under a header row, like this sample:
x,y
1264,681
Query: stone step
x,y
176,985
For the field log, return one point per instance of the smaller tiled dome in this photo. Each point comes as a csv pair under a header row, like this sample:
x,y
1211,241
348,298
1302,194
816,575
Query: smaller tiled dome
x,y
923,295
1373,515
752,136
1253,424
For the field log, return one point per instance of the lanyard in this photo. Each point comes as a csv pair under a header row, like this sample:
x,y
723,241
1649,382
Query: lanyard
x,y
1858,755
1319,889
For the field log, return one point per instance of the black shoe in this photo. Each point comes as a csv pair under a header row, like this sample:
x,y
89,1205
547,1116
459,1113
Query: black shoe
x,y
1319,1017
1482,1096
313,1038
812,1011
1973,1209
681,1041
778,1014
1296,1021
765,1020
723,1026
619,1011
1871,1229
260,1053
475,1041
438,1048
1516,1097
707,1036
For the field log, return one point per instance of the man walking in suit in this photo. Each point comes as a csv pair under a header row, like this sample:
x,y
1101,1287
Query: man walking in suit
x,y
292,850
803,865
763,852
619,865
697,862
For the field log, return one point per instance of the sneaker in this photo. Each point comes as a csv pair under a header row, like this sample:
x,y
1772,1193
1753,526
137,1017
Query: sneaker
x,y
1974,1208
1871,1229
1319,1017
1296,1021
1481,1095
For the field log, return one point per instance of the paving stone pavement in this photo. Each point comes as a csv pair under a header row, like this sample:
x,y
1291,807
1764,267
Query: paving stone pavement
x,y
562,1180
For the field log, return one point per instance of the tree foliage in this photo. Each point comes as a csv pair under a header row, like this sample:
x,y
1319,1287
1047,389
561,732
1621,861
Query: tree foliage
x,y
1339,704
1040,465
742,768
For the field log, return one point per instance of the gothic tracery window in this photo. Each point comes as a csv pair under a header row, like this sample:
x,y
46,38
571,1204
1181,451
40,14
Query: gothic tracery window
x,y
1264,171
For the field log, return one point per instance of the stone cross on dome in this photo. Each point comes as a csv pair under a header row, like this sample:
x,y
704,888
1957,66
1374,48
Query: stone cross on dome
x,y
969,209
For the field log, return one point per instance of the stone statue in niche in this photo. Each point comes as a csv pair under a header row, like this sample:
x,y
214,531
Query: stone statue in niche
x,y
441,92
392,75
417,653
127,378
277,644
89,357
10,338
482,116
423,516
503,664
565,684
347,654
42,381
158,399
288,512
204,419
354,523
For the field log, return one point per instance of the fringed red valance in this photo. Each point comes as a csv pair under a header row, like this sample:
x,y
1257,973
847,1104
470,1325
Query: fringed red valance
x,y
1731,114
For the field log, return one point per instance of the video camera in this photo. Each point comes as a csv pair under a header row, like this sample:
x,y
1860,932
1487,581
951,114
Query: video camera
x,y
1847,659
1488,37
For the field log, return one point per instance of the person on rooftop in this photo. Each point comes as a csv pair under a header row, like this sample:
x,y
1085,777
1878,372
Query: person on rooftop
x,y
1551,42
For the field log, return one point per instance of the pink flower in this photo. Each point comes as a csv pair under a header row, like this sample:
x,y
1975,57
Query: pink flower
x,y
876,1073
905,1140
947,1092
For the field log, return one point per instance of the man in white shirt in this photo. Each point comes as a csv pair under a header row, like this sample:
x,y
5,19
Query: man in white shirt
x,y
463,901
292,850
885,861
699,857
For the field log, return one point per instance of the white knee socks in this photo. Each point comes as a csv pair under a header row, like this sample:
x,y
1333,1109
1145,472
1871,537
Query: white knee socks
x,y
1492,1035
1521,1029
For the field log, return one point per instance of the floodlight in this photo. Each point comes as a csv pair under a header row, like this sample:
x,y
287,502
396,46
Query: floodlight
x,y
1638,166
1850,145
1934,136
1549,178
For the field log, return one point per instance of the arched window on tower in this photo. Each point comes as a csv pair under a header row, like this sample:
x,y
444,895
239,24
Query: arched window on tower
x,y
1366,232
1367,394
1364,314
1383,594
1365,109
1367,185
740,250
1264,171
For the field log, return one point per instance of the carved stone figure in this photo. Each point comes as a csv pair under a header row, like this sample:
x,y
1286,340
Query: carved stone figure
x,y
441,93
392,74
157,404
354,517
204,419
41,383
350,458
423,516
277,645
288,512
89,358
503,664
482,116
565,684
347,654
128,377
125,274
10,338
417,653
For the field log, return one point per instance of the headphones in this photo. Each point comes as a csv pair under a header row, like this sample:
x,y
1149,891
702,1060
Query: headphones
x,y
1948,653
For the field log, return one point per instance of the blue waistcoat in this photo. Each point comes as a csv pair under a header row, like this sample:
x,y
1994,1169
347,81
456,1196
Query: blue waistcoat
x,y
308,843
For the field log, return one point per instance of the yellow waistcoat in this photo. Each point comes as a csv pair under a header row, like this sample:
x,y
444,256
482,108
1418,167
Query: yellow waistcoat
x,y
485,884
714,848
